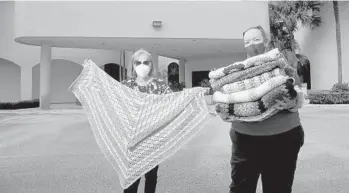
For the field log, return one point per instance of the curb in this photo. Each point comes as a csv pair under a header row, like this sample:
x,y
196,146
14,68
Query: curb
x,y
326,106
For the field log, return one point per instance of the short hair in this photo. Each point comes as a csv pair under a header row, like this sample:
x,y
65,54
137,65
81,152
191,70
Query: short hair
x,y
136,56
261,29
264,35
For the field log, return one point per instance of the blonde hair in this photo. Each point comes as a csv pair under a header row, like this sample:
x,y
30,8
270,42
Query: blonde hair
x,y
264,35
135,57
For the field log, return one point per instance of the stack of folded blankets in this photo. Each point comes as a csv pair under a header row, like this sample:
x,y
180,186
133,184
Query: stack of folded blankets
x,y
247,91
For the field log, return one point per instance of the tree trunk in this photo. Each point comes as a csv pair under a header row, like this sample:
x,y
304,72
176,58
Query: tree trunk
x,y
339,41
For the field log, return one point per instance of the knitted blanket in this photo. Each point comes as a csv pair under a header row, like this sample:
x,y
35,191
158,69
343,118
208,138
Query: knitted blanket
x,y
253,61
251,94
248,73
268,113
134,130
252,82
260,106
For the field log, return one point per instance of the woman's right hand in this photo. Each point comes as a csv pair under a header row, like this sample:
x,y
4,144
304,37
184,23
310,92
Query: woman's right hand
x,y
85,62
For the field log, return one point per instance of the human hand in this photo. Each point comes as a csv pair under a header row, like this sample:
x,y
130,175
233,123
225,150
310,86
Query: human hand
x,y
285,103
299,100
212,109
210,104
209,99
88,61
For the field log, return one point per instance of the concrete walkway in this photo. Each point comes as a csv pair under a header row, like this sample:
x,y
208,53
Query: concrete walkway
x,y
55,151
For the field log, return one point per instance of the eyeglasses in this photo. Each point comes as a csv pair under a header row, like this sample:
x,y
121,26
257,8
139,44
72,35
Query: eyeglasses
x,y
144,62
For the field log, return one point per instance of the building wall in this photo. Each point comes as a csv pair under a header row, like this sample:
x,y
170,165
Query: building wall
x,y
203,64
61,18
61,79
319,45
17,62
10,81
186,19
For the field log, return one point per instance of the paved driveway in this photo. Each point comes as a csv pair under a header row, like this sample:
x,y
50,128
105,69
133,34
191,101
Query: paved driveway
x,y
54,151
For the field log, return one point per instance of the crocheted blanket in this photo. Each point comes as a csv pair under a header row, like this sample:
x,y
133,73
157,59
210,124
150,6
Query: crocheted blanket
x,y
247,91
260,106
248,73
252,82
134,130
250,62
250,94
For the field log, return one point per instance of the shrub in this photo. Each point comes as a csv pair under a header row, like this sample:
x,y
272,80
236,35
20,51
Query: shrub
x,y
344,87
328,97
175,86
20,105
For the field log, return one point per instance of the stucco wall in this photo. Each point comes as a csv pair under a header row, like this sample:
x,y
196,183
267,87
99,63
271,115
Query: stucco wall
x,y
64,72
61,19
186,19
319,45
10,81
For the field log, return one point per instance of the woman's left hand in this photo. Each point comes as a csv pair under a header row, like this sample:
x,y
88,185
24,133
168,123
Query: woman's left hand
x,y
89,61
285,103
212,109
210,105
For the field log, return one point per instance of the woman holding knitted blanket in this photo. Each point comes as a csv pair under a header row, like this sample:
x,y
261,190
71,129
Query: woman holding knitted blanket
x,y
140,122
143,80
268,148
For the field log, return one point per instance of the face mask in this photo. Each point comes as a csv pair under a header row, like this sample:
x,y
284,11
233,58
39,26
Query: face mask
x,y
255,49
142,70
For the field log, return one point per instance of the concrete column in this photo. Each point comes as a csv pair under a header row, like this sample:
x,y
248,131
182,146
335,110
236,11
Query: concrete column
x,y
181,64
45,77
156,64
26,83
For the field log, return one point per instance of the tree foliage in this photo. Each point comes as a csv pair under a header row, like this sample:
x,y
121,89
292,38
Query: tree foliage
x,y
284,17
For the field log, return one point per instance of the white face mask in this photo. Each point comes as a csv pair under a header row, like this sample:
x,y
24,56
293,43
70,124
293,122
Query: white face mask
x,y
142,70
142,67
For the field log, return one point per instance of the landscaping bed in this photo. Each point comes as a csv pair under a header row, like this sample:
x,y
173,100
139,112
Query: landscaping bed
x,y
338,95
19,105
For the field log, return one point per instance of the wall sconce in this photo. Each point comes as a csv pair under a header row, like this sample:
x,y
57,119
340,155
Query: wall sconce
x,y
157,24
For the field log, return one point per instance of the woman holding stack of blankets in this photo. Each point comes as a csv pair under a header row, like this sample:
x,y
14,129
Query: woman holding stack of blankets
x,y
260,97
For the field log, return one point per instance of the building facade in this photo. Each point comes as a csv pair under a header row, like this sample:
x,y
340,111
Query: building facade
x,y
42,44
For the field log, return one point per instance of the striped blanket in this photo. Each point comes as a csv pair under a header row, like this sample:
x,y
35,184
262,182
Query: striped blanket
x,y
247,90
248,73
250,62
259,106
134,130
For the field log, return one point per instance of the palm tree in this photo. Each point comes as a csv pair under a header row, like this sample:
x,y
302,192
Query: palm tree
x,y
339,41
284,17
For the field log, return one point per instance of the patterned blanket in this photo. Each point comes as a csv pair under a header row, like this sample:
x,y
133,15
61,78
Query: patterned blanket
x,y
134,130
260,106
247,91
252,82
250,94
248,73
250,62
268,113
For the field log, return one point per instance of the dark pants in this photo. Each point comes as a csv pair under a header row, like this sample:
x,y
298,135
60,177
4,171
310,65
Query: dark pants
x,y
150,182
272,157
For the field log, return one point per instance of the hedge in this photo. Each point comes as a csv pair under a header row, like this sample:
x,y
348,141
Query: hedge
x,y
20,105
328,97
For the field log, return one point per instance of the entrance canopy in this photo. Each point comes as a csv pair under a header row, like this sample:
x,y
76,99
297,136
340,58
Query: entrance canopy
x,y
186,48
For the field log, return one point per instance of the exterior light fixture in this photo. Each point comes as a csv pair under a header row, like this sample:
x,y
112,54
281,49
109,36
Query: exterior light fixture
x,y
157,24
